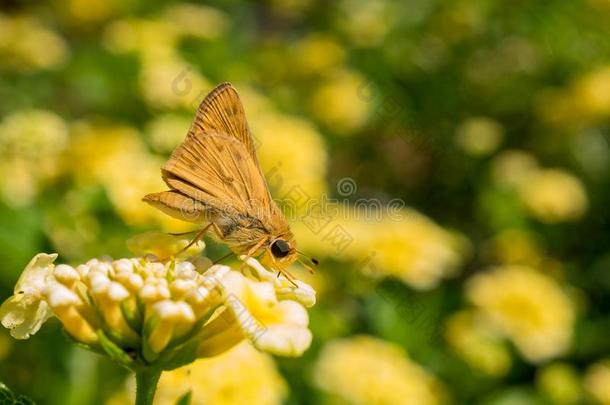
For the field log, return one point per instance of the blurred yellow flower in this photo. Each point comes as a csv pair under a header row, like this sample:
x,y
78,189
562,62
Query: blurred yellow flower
x,y
88,11
167,131
172,83
560,383
291,151
26,44
31,143
512,167
585,101
406,245
366,22
148,38
554,195
479,136
316,54
239,376
478,344
158,37
516,246
166,79
292,154
338,103
526,306
196,20
369,371
115,157
597,381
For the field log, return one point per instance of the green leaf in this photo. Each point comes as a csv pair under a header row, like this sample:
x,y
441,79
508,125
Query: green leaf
x,y
8,398
185,399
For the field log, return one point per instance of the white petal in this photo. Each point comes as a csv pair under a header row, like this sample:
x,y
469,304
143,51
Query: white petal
x,y
33,279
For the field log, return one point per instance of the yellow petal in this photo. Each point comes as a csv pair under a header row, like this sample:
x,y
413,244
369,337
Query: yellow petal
x,y
278,327
23,315
33,278
163,245
25,312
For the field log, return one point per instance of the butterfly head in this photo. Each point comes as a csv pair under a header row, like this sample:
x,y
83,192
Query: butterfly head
x,y
281,252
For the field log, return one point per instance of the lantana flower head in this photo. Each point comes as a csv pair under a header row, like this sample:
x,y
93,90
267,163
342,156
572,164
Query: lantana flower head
x,y
151,315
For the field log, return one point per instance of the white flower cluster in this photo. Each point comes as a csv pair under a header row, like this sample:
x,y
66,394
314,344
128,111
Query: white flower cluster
x,y
144,312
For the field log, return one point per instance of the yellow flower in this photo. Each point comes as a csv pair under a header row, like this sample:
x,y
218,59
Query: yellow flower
x,y
167,131
115,157
365,370
149,38
478,344
196,20
560,383
171,82
26,311
239,376
554,195
516,246
149,313
316,54
27,45
31,143
292,154
267,309
367,22
479,136
585,101
166,79
404,244
291,151
597,381
550,195
338,102
85,12
512,168
526,306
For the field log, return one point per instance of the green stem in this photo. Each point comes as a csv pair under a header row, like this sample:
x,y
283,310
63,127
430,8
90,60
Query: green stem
x,y
146,385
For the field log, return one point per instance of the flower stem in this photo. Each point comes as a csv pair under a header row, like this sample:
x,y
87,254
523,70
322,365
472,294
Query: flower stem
x,y
146,385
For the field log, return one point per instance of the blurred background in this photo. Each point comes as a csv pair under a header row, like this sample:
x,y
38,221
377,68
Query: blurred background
x,y
463,146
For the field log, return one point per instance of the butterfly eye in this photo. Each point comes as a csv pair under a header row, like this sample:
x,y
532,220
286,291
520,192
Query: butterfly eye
x,y
280,248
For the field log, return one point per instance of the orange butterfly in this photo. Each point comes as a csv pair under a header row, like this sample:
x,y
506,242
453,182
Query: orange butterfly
x,y
215,179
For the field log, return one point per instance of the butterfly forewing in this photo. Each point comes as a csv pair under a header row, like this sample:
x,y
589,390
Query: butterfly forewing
x,y
222,111
217,169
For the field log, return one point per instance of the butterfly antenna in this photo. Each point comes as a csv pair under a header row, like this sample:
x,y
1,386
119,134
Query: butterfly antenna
x,y
310,261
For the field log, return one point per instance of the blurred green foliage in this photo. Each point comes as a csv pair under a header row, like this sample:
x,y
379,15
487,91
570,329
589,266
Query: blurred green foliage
x,y
421,101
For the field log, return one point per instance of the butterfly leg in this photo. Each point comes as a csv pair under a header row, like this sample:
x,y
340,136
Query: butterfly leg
x,y
217,231
251,252
197,238
183,233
